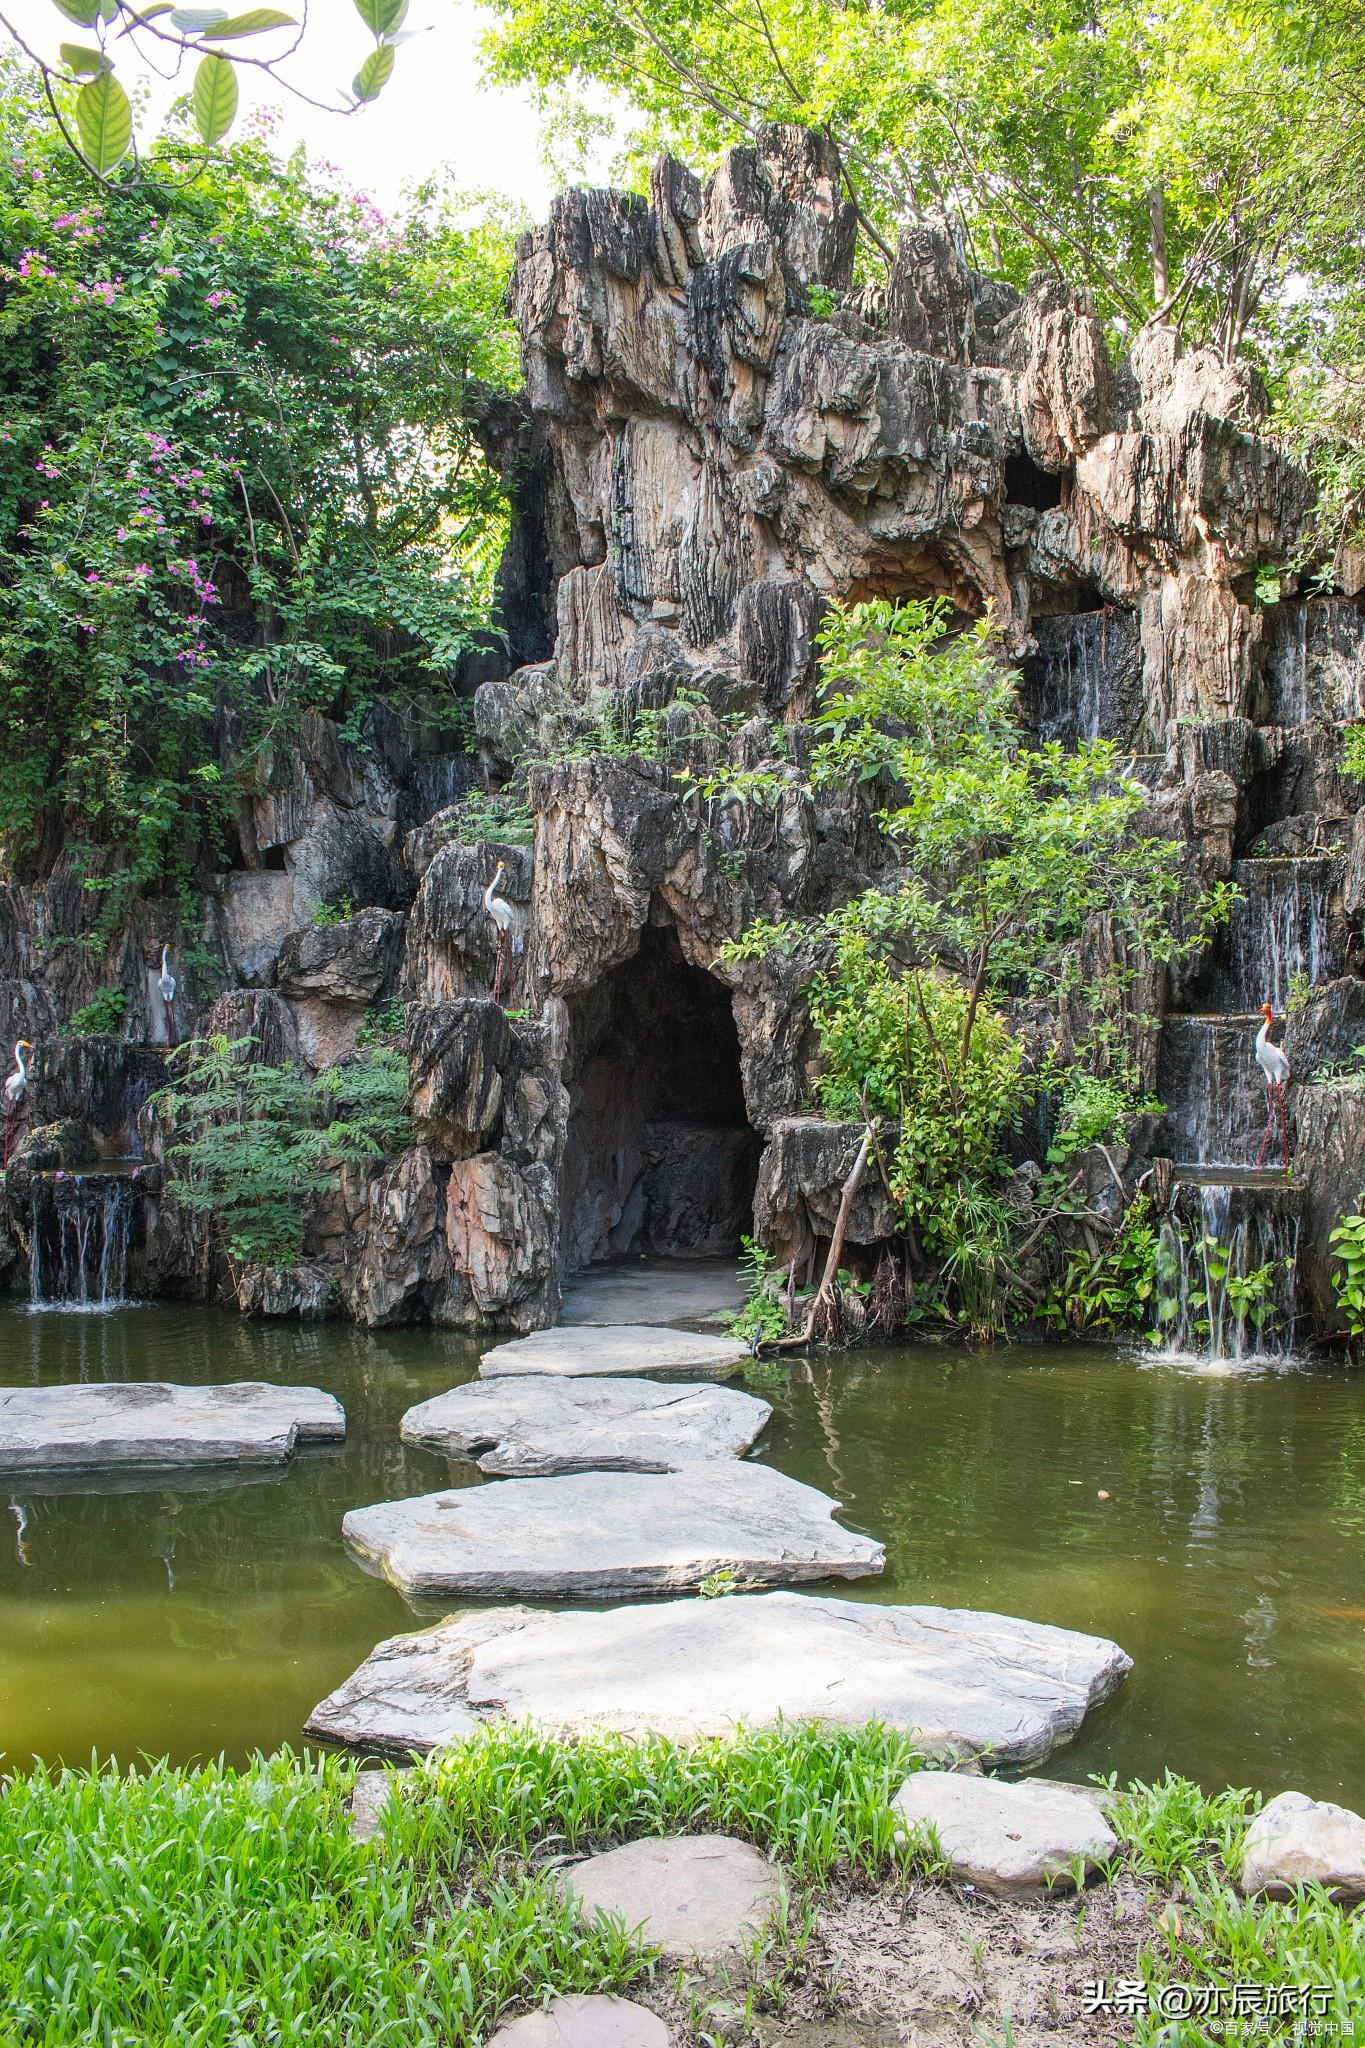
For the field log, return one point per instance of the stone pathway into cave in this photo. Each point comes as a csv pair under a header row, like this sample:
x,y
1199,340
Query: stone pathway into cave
x,y
685,1292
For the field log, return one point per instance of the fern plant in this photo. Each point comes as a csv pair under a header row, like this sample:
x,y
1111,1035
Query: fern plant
x,y
252,1143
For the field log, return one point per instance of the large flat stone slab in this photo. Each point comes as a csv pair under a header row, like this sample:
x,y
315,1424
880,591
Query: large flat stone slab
x,y
583,2021
653,1291
1012,1840
1296,1840
611,1533
964,1683
632,1349
152,1423
695,1897
532,1425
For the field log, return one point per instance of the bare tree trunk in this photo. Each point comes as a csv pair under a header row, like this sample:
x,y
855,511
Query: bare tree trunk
x,y
1161,276
824,1294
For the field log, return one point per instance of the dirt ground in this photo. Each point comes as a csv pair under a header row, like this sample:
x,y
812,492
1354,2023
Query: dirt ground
x,y
926,1965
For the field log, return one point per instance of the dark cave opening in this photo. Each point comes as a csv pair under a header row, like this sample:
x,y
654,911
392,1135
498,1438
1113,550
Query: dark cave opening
x,y
661,1160
1027,484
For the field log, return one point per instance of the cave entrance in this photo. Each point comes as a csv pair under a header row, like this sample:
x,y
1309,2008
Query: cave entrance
x,y
661,1160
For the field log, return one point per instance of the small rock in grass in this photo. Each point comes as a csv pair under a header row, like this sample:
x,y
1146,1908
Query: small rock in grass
x,y
1298,1840
369,1797
1008,1839
579,2022
694,1896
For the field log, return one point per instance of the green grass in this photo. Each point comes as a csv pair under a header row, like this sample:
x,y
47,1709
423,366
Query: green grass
x,y
216,1908
222,1909
1190,1844
817,1798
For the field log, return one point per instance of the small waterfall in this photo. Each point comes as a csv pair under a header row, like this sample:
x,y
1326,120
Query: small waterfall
x,y
1225,1276
1212,1089
1281,928
1315,662
80,1227
1086,676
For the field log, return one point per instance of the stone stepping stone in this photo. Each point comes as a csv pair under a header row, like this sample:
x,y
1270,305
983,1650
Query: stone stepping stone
x,y
533,1425
1008,1839
696,1897
581,2022
653,1291
611,1533
628,1348
962,1682
1297,1840
150,1423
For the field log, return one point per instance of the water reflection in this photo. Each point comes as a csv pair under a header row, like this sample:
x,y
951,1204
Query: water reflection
x,y
1211,1525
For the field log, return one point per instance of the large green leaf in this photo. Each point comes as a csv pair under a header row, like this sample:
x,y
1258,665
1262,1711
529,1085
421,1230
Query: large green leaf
x,y
214,97
381,17
104,122
254,23
85,62
84,12
192,21
374,74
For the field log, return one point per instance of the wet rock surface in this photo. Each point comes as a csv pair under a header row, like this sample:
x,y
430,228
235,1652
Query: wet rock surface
x,y
962,1682
534,1425
611,1533
147,1423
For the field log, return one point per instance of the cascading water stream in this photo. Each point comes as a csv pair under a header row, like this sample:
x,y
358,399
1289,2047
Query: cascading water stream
x,y
1280,931
80,1228
1226,1262
1086,670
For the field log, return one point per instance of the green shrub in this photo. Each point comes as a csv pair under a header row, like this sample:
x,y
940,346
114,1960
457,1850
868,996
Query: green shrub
x,y
251,1143
104,1012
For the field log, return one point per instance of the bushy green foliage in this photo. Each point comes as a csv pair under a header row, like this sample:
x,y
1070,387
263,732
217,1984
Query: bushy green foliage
x,y
1103,1292
762,1318
1009,858
1348,1270
251,1142
104,1012
502,817
237,482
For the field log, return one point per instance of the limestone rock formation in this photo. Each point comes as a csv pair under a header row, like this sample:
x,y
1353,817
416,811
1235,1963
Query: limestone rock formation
x,y
718,437
1295,1840
1014,1840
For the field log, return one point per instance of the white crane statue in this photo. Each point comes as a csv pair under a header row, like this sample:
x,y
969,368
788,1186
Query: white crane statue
x,y
166,986
1273,1064
504,916
16,1088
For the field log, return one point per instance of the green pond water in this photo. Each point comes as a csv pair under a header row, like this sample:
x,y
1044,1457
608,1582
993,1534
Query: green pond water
x,y
1229,1558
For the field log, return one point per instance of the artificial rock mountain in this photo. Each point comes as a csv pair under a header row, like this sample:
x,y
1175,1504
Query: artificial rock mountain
x,y
718,435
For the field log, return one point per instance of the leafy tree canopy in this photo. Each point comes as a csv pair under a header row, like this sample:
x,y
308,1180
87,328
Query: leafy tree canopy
x,y
237,478
1200,158
85,95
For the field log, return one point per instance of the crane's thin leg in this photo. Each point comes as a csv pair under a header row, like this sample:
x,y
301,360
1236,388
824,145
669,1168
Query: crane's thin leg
x,y
1284,1125
1269,1131
501,967
172,1037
